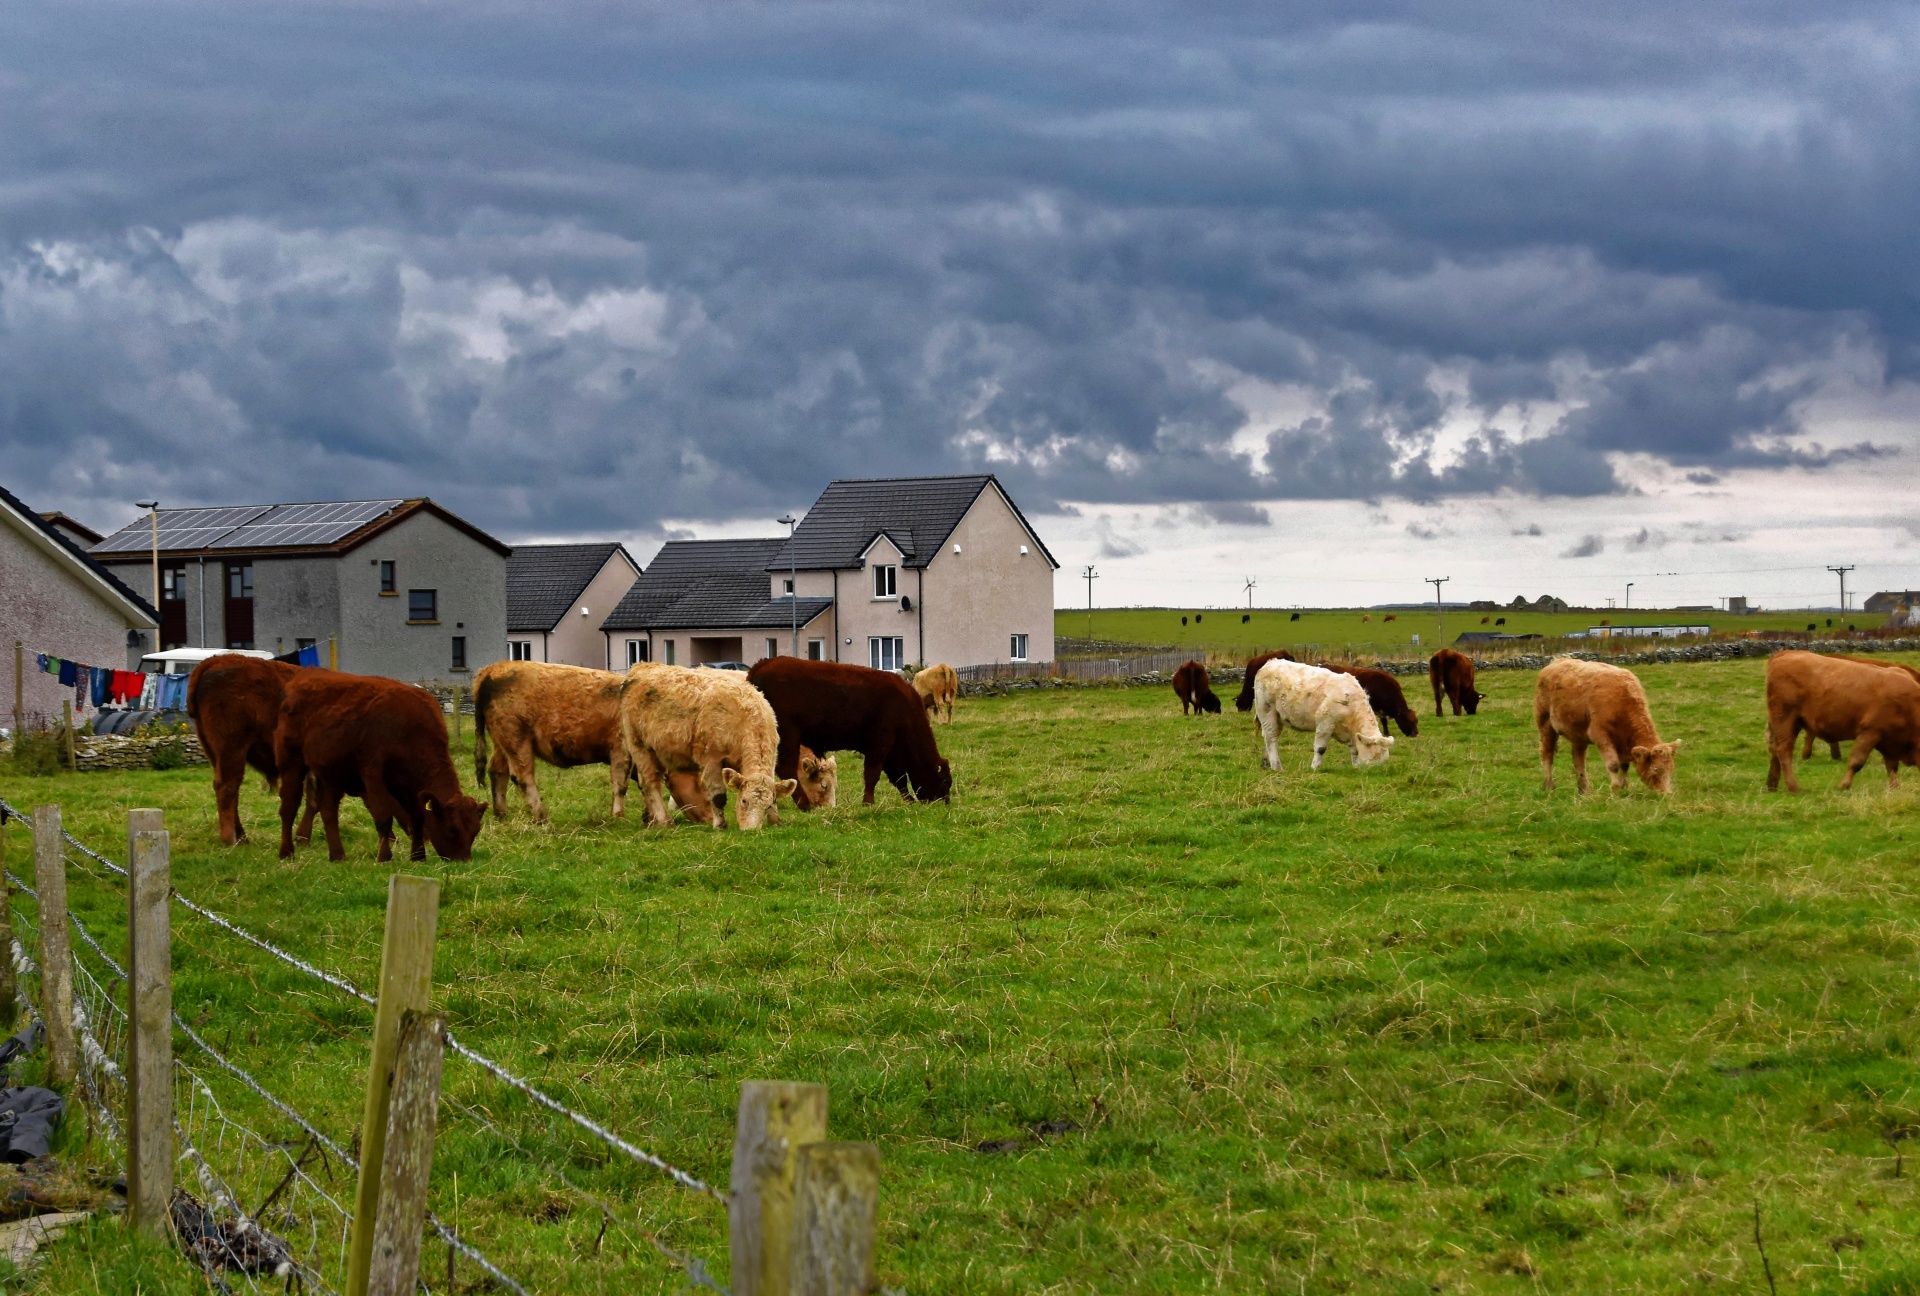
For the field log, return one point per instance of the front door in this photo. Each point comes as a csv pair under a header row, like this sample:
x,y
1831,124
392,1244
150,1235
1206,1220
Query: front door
x,y
239,605
173,607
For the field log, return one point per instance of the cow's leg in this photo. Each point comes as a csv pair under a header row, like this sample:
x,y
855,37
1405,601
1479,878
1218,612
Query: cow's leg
x,y
227,778
1893,772
1833,748
713,781
1437,691
1549,744
1322,737
498,774
1806,752
617,774
1616,768
1453,696
1577,753
1270,739
304,833
522,769
1862,748
1781,763
687,794
329,798
650,775
292,785
870,773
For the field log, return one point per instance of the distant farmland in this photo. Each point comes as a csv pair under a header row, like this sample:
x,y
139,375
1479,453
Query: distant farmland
x,y
1221,630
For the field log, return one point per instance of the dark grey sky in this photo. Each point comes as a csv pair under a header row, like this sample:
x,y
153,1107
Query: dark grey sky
x,y
575,268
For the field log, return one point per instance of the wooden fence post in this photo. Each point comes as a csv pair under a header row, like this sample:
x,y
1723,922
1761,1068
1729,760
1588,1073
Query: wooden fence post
x,y
776,1117
836,1199
408,1160
406,981
150,1023
19,689
9,988
456,713
66,717
56,947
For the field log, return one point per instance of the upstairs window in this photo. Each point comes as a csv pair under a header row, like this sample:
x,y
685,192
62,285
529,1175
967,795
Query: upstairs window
x,y
786,586
239,580
886,581
423,605
386,578
173,583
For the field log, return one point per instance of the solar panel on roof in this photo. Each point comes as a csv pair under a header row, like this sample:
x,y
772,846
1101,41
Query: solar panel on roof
x,y
306,524
190,528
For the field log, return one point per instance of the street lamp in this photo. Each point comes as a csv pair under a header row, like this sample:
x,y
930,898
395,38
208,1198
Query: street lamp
x,y
154,507
793,579
1629,596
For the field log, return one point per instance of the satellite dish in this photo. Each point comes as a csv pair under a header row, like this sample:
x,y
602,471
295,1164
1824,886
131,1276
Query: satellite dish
x,y
906,603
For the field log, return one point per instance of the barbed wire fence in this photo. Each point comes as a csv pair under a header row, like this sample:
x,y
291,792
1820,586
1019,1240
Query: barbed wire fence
x,y
300,1187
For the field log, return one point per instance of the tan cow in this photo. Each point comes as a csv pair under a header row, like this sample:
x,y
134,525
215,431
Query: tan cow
x,y
1833,748
1330,706
570,715
712,723
1836,699
937,686
1593,704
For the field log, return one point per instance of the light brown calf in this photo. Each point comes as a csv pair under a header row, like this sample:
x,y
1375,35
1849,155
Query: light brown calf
x,y
1836,699
937,686
710,723
1833,748
562,715
1593,704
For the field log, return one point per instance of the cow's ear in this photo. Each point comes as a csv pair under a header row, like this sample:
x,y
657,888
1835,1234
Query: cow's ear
x,y
427,800
1675,744
1641,753
784,788
809,764
731,778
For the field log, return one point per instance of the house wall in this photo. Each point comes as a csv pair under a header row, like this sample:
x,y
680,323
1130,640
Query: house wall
x,y
293,599
577,640
977,599
753,642
50,608
471,578
862,616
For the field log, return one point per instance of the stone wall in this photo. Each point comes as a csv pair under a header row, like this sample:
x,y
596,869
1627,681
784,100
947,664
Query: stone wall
x,y
111,753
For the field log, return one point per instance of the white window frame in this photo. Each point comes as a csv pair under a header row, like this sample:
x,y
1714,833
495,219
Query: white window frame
x,y
773,647
636,651
786,584
816,650
1017,648
886,581
519,650
667,659
882,647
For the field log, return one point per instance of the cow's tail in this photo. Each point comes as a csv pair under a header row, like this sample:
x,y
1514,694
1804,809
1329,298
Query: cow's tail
x,y
481,696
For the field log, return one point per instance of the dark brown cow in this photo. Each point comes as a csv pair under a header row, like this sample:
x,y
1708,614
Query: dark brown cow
x,y
1835,699
1383,694
234,704
1245,701
1452,676
1195,690
833,706
382,741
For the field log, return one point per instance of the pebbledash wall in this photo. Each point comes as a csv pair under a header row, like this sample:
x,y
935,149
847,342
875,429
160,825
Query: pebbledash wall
x,y
47,605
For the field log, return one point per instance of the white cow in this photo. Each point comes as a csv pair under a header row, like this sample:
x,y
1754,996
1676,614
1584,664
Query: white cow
x,y
1330,706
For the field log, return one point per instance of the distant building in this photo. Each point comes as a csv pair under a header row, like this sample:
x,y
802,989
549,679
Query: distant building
x,y
1737,605
1888,600
558,596
889,572
73,529
401,588
54,599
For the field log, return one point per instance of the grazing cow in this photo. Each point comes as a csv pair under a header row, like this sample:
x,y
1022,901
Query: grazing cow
x,y
1294,617
1452,676
712,723
563,715
835,706
234,704
817,780
1500,621
1484,620
1592,703
1195,690
382,741
1383,694
1366,616
1836,699
1330,706
1390,617
1245,701
937,686
1833,748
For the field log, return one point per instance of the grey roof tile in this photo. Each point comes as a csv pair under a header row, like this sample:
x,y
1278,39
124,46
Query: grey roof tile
x,y
683,565
916,513
544,580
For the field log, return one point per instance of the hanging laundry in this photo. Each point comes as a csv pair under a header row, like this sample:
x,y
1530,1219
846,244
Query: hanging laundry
x,y
149,689
126,686
47,663
102,686
68,673
310,655
82,687
173,693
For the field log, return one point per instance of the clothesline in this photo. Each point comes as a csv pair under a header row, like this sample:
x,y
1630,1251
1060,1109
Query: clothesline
x,y
95,686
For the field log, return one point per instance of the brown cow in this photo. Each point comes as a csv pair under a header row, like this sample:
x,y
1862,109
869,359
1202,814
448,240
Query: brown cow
x,y
1245,701
1195,691
1594,703
1452,677
834,706
234,704
709,723
937,686
1383,694
1833,748
382,741
1835,699
563,715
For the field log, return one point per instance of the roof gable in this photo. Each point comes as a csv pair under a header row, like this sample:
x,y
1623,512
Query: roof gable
x,y
544,581
64,550
916,513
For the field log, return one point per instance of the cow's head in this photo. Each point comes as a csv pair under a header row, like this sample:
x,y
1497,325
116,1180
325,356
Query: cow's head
x,y
1371,751
452,824
757,792
1210,703
1470,700
819,780
938,785
1655,764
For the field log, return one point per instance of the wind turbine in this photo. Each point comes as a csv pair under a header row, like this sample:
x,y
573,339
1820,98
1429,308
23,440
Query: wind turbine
x,y
1251,582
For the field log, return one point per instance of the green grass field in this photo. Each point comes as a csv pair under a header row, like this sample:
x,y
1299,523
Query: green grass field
x,y
1221,631
1408,1029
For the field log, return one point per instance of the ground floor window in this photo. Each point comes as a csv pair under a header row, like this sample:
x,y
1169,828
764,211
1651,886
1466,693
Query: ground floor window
x,y
519,650
1017,651
886,654
459,652
636,651
773,647
668,655
816,649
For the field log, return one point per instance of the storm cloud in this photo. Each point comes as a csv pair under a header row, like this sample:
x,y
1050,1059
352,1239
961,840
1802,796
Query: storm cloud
x,y
572,268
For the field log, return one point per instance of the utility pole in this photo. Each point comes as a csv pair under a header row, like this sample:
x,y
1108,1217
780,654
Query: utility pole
x,y
1091,576
793,581
1251,582
154,506
1841,572
1439,612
